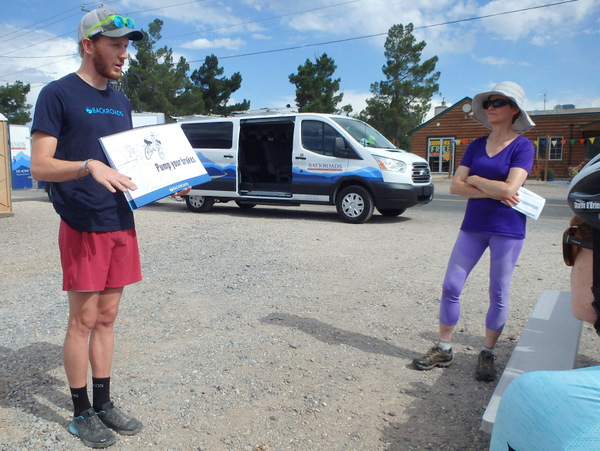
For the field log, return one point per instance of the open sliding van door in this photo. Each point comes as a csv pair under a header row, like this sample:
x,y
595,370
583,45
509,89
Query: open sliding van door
x,y
265,156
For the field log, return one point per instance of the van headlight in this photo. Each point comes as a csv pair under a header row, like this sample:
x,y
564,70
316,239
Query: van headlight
x,y
389,164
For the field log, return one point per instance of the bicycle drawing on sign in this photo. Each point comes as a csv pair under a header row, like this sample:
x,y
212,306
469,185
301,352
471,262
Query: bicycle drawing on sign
x,y
153,145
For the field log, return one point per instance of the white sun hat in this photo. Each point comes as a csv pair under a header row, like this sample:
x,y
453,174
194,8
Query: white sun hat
x,y
511,91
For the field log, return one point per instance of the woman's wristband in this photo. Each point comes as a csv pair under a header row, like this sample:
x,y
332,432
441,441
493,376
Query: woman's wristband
x,y
83,167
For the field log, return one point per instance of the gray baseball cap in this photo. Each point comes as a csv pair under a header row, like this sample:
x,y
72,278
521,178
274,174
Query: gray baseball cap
x,y
107,23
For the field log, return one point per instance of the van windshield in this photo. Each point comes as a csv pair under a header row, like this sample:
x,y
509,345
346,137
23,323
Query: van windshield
x,y
364,133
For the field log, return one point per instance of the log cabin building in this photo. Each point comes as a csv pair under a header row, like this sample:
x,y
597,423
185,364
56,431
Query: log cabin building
x,y
565,138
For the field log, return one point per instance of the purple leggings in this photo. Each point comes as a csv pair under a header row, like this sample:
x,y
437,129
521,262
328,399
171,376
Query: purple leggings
x,y
468,249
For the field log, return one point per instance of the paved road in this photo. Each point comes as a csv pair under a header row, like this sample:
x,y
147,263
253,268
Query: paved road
x,y
554,193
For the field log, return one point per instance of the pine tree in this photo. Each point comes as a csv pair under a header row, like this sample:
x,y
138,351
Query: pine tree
x,y
402,100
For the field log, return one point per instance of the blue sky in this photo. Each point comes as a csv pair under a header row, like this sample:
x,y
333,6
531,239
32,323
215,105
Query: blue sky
x,y
550,47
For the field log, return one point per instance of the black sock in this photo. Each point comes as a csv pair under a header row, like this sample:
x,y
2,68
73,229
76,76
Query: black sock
x,y
81,402
101,391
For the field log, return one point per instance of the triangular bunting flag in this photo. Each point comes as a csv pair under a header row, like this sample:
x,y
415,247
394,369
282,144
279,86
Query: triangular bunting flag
x,y
592,140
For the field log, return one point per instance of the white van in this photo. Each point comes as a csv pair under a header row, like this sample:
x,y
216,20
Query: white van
x,y
304,158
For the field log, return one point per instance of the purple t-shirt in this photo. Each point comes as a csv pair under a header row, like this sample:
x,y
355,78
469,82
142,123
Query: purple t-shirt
x,y
489,215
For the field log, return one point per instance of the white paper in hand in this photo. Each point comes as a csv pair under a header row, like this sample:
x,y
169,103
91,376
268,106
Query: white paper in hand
x,y
530,204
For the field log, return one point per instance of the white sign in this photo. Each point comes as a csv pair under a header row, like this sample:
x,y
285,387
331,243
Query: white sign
x,y
159,159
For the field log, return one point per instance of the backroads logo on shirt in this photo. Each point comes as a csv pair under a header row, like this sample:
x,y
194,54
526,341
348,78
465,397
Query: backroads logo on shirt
x,y
92,110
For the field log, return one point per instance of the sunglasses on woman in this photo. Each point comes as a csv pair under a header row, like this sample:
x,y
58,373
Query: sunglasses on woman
x,y
496,103
571,245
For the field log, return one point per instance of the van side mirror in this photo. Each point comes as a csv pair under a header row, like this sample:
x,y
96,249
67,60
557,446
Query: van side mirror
x,y
340,149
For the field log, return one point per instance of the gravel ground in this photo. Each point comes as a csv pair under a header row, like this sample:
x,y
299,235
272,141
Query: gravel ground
x,y
269,329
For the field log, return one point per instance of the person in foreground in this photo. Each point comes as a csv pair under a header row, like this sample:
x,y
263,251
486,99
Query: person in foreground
x,y
491,172
577,252
560,410
97,237
556,410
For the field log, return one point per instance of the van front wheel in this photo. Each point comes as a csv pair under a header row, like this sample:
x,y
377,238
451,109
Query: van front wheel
x,y
199,204
355,204
391,212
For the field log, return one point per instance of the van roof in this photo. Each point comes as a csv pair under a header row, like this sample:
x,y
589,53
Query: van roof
x,y
254,114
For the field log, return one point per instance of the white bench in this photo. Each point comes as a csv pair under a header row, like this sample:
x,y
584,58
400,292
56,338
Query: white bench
x,y
550,341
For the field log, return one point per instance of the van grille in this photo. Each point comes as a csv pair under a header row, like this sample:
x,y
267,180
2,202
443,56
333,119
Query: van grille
x,y
421,173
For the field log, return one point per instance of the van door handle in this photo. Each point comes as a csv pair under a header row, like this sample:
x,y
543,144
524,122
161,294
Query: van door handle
x,y
300,158
228,156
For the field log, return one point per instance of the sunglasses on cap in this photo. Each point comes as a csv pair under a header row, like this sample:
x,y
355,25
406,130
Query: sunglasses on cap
x,y
571,245
112,23
496,103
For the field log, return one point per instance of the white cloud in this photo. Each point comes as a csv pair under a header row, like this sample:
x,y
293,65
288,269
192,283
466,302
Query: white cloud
x,y
495,61
549,22
501,62
226,43
542,41
358,100
36,61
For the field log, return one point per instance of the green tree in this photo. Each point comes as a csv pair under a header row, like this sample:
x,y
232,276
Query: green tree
x,y
215,89
153,81
13,103
315,88
401,102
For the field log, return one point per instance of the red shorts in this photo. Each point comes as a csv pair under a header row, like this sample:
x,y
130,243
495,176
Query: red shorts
x,y
96,261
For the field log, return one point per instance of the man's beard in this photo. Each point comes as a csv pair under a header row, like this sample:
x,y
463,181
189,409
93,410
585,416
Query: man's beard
x,y
103,68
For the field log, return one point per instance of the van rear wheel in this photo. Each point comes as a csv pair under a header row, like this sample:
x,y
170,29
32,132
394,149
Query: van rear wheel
x,y
245,205
355,204
199,204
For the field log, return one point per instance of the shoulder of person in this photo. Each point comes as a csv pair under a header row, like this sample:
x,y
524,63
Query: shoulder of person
x,y
64,85
478,143
521,139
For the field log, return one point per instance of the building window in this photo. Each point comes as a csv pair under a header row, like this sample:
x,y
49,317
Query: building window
x,y
554,147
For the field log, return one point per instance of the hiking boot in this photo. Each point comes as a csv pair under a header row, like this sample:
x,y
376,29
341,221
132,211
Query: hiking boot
x,y
436,356
118,421
486,370
91,430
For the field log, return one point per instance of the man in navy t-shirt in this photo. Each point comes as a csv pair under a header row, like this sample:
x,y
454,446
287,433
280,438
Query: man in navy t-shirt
x,y
97,237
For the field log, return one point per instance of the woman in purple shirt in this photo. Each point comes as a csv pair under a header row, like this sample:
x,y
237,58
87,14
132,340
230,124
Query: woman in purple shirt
x,y
492,170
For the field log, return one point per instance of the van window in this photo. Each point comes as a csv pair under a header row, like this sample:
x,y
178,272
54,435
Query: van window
x,y
319,137
210,135
364,133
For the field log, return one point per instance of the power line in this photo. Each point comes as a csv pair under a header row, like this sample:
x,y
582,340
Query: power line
x,y
264,19
181,4
327,42
356,38
33,68
26,31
